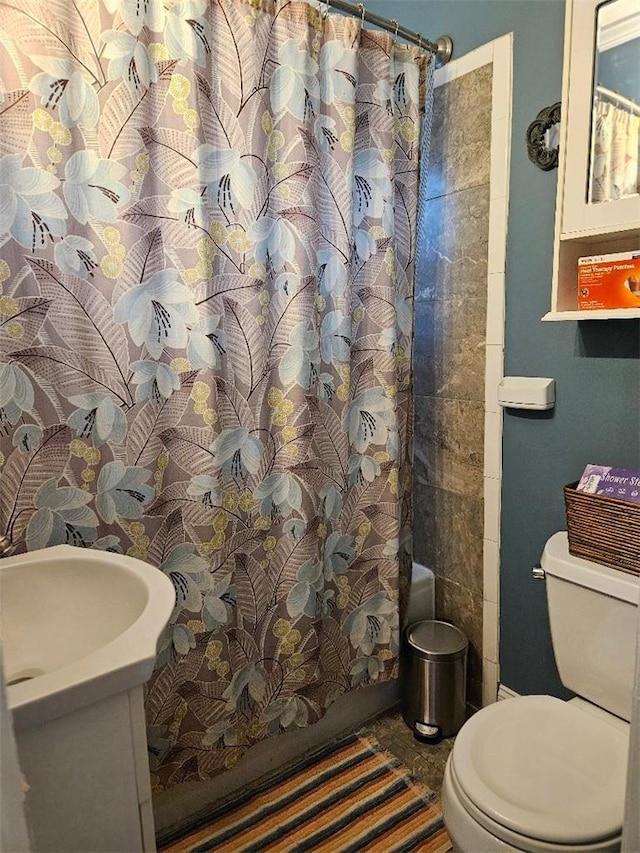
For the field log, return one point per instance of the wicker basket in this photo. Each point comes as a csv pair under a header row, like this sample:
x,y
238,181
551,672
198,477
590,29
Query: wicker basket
x,y
604,530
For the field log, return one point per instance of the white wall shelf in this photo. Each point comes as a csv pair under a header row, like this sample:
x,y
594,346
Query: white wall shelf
x,y
596,314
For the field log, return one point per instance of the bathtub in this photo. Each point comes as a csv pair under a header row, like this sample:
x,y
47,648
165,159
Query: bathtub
x,y
422,595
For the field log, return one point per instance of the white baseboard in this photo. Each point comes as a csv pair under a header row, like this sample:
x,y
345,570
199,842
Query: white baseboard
x,y
506,692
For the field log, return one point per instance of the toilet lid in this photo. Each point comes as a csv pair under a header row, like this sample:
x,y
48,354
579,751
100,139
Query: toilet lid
x,y
544,769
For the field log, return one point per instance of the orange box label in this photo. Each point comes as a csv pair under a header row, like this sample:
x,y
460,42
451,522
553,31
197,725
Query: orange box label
x,y
609,281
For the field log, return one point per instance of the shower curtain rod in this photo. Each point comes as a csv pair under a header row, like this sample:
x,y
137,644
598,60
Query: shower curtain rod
x,y
627,103
442,47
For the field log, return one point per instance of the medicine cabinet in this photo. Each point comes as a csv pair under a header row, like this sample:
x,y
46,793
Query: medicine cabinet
x,y
598,200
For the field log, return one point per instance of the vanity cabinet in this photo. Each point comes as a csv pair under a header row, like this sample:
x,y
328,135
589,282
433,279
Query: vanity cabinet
x,y
598,205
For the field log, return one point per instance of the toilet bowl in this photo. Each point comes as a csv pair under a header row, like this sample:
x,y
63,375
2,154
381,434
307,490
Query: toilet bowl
x,y
537,774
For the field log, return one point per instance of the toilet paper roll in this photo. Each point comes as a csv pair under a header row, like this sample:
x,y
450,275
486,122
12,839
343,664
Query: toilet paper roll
x,y
422,603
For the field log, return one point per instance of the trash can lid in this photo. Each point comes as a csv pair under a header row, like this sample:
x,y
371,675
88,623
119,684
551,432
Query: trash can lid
x,y
433,640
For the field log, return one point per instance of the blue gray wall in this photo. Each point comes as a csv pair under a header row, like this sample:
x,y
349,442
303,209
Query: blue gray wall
x,y
596,364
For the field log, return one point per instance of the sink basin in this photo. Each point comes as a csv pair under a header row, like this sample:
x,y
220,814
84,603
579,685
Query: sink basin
x,y
77,625
79,630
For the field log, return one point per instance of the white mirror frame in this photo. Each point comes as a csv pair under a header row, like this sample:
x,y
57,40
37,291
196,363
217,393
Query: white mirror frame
x,y
578,216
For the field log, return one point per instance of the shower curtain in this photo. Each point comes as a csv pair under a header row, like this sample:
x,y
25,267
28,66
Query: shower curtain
x,y
208,234
615,170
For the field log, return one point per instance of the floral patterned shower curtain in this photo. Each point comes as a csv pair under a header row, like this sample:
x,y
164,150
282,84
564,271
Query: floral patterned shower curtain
x,y
207,219
615,170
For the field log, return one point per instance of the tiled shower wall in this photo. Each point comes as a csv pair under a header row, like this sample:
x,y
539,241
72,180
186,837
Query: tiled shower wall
x,y
449,361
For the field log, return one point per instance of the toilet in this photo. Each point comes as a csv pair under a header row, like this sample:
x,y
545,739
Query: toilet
x,y
538,774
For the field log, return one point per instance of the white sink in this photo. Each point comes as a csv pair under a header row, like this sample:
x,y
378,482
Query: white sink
x,y
77,625
79,630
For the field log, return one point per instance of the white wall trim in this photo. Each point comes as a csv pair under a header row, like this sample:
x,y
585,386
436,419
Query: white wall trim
x,y
459,66
506,693
498,223
500,53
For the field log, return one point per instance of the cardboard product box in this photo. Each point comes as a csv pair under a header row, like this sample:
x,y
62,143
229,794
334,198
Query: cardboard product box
x,y
619,483
609,281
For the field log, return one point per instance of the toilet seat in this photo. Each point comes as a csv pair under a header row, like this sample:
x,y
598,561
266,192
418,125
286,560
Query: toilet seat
x,y
474,831
541,774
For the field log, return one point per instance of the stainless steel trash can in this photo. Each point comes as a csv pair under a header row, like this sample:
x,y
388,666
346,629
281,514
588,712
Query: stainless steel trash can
x,y
434,678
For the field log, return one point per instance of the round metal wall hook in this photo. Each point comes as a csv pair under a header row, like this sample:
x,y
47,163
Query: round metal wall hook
x,y
538,151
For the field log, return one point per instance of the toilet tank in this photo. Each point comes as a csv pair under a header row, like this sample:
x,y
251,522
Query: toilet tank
x,y
593,612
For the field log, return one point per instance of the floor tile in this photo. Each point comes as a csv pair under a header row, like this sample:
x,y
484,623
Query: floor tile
x,y
426,761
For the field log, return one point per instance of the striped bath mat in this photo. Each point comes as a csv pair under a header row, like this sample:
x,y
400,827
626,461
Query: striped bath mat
x,y
348,798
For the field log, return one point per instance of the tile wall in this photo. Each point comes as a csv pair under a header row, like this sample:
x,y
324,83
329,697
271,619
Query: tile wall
x,y
458,353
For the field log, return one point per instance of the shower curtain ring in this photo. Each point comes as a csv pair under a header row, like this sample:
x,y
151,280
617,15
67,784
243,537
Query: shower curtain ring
x,y
393,21
362,12
325,11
